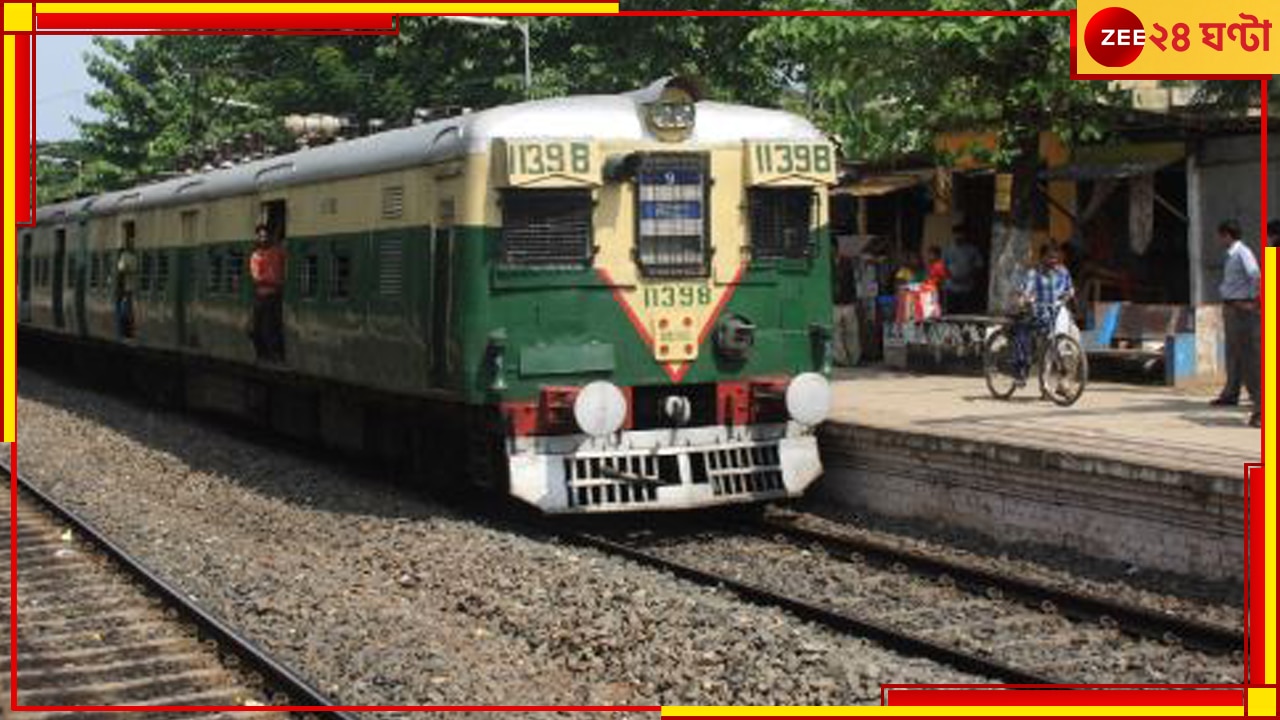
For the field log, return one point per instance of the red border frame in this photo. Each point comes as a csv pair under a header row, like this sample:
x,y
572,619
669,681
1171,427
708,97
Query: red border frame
x,y
1255,501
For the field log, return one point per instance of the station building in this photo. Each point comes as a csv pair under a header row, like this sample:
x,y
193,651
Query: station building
x,y
1136,217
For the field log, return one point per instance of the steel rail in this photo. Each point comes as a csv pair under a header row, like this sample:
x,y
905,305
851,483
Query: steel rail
x,y
838,620
1076,605
274,673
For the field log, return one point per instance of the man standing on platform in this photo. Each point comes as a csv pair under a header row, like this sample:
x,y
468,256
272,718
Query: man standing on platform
x,y
1242,321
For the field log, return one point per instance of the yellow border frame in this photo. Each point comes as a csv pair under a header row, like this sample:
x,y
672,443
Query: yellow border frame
x,y
18,18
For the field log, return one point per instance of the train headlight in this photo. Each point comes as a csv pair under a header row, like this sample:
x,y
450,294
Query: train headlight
x,y
600,408
672,116
809,398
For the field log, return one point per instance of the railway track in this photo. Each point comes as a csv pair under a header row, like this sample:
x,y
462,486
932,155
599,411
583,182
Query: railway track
x,y
97,628
999,626
1131,619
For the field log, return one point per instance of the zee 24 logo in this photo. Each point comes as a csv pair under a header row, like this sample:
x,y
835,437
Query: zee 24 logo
x,y
1115,37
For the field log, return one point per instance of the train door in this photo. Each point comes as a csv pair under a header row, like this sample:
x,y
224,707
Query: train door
x,y
441,292
272,342
79,271
24,280
59,280
189,226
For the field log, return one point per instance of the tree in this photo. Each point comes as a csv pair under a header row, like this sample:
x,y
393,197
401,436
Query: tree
x,y
889,84
609,55
165,98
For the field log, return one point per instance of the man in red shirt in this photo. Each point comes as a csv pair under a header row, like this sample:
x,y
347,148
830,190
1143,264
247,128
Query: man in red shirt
x,y
266,267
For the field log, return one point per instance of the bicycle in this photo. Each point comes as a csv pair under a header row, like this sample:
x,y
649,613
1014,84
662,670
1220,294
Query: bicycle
x,y
1063,366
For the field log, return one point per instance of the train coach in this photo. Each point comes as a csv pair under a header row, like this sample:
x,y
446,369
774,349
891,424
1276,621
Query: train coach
x,y
603,303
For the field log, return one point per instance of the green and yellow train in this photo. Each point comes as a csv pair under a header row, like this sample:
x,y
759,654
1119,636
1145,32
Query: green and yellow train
x,y
604,302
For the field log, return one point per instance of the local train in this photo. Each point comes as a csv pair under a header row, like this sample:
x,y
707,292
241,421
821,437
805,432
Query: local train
x,y
600,303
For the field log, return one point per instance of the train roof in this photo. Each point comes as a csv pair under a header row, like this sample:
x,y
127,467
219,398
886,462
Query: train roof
x,y
595,117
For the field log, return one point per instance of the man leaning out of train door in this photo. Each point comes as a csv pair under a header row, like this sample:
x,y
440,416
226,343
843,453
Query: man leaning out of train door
x,y
266,267
126,277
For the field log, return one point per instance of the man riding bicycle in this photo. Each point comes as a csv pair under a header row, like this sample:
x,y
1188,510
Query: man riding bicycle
x,y
1043,291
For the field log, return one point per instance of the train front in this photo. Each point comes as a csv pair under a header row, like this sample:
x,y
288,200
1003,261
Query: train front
x,y
660,304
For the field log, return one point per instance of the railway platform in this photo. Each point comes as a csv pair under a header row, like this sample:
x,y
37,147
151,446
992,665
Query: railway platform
x,y
1152,477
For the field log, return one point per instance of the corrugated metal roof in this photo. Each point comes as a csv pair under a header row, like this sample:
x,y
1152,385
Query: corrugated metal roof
x,y
877,185
1098,171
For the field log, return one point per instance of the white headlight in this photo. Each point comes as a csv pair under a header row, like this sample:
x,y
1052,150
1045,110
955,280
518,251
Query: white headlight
x,y
809,398
600,408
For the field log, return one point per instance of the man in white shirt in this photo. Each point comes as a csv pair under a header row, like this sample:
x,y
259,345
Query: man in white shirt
x,y
1242,320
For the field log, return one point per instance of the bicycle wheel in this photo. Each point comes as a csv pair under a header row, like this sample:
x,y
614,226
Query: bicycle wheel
x,y
1064,370
997,364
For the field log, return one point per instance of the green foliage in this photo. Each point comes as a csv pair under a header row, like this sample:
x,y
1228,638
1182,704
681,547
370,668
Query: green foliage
x,y
888,84
163,98
169,98
68,168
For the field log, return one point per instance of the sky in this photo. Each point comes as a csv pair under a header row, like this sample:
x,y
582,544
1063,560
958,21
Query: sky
x,y
61,84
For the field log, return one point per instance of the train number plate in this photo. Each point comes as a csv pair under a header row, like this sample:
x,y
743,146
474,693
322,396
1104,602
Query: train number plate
x,y
548,163
789,162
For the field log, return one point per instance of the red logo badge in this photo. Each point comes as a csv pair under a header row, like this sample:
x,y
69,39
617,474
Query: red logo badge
x,y
1115,37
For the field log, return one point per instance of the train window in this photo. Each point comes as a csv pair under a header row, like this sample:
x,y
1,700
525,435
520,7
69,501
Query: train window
x,y
309,276
95,271
781,222
190,224
546,228
233,271
329,206
162,271
390,266
340,276
671,193
393,202
213,278
144,278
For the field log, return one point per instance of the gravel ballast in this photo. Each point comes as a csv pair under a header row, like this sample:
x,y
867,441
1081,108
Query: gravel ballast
x,y
1069,651
383,597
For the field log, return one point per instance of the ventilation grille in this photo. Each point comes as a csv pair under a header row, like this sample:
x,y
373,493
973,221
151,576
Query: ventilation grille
x,y
546,228
780,222
594,480
632,480
392,203
740,470
390,267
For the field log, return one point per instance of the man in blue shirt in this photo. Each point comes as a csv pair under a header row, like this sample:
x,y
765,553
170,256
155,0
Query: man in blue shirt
x,y
1241,320
1043,291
